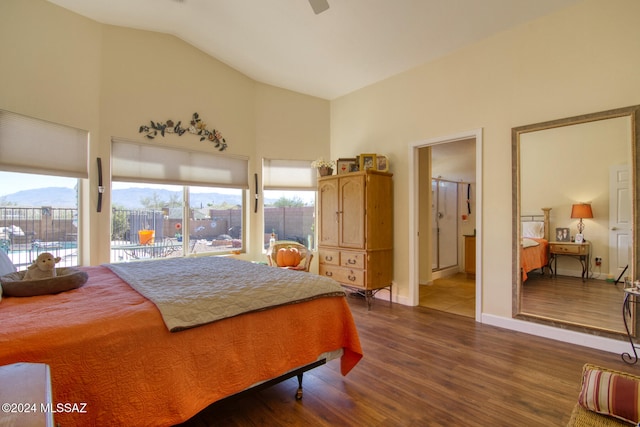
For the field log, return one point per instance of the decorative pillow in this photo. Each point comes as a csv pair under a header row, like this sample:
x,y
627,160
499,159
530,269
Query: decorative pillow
x,y
527,243
6,266
534,229
610,392
66,279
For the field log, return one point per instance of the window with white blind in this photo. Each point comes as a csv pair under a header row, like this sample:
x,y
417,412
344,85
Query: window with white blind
x,y
188,202
289,200
40,166
30,145
133,161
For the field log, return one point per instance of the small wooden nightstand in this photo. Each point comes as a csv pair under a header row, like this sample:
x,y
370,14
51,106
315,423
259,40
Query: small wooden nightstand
x,y
582,251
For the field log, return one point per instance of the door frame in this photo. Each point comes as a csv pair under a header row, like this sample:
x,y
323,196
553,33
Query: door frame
x,y
414,214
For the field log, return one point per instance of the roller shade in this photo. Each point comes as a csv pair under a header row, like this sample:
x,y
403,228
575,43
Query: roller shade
x,y
30,145
132,161
288,175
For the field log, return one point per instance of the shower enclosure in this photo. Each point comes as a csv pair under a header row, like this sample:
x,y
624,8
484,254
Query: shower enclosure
x,y
444,224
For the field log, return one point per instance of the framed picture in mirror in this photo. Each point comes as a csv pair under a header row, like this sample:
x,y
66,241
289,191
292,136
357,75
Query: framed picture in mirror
x,y
562,235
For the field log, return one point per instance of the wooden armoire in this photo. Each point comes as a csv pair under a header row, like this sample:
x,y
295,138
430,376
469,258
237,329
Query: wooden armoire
x,y
355,230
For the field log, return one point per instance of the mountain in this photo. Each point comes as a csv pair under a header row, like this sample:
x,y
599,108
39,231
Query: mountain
x,y
61,197
131,198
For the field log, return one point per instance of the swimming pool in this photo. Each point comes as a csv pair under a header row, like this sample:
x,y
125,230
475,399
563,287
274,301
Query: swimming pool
x,y
24,254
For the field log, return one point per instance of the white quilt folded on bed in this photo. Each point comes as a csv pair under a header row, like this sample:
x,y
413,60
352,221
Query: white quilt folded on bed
x,y
527,243
195,291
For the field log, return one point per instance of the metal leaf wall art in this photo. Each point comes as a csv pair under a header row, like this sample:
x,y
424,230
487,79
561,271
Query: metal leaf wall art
x,y
196,127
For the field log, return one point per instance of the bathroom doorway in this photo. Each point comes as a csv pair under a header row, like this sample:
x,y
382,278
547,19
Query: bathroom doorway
x,y
454,158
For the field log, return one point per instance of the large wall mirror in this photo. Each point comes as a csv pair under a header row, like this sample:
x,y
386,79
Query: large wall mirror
x,y
561,276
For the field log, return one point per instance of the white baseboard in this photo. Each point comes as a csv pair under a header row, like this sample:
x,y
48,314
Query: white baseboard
x,y
384,295
449,271
559,334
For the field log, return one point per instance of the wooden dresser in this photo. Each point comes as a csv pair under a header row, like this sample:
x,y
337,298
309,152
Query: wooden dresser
x,y
355,230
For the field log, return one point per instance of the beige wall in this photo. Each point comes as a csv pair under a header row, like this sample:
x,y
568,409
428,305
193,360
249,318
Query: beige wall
x,y
581,60
62,67
65,68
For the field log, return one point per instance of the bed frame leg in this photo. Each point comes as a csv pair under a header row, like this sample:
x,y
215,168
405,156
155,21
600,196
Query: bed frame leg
x,y
299,391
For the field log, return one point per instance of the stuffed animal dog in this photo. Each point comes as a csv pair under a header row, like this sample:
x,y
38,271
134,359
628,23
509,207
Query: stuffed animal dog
x,y
43,267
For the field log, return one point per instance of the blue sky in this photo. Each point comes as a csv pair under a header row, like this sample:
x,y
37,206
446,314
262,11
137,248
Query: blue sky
x,y
13,182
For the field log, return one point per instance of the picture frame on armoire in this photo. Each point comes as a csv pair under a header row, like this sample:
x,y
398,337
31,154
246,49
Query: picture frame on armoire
x,y
382,163
368,161
345,165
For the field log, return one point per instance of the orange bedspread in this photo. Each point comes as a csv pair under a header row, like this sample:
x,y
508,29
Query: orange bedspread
x,y
534,257
108,347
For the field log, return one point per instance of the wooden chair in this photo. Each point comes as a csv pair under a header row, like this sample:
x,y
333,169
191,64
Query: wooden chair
x,y
305,255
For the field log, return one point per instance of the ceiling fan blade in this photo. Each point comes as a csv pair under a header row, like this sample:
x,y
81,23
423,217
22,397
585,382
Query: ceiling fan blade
x,y
319,6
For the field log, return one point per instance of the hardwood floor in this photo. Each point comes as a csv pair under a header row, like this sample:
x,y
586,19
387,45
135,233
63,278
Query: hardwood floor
x,y
594,302
424,367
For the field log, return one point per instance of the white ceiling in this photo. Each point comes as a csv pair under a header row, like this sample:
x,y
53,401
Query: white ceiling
x,y
349,46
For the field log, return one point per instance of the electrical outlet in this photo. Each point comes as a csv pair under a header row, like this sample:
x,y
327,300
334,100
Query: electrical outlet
x,y
598,261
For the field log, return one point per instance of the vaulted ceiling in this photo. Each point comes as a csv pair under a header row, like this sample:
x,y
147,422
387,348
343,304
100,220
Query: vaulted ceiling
x,y
351,45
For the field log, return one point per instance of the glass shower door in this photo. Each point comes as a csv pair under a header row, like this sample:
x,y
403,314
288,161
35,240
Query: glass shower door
x,y
444,224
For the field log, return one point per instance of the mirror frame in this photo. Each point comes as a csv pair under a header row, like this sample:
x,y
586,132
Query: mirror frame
x,y
634,113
